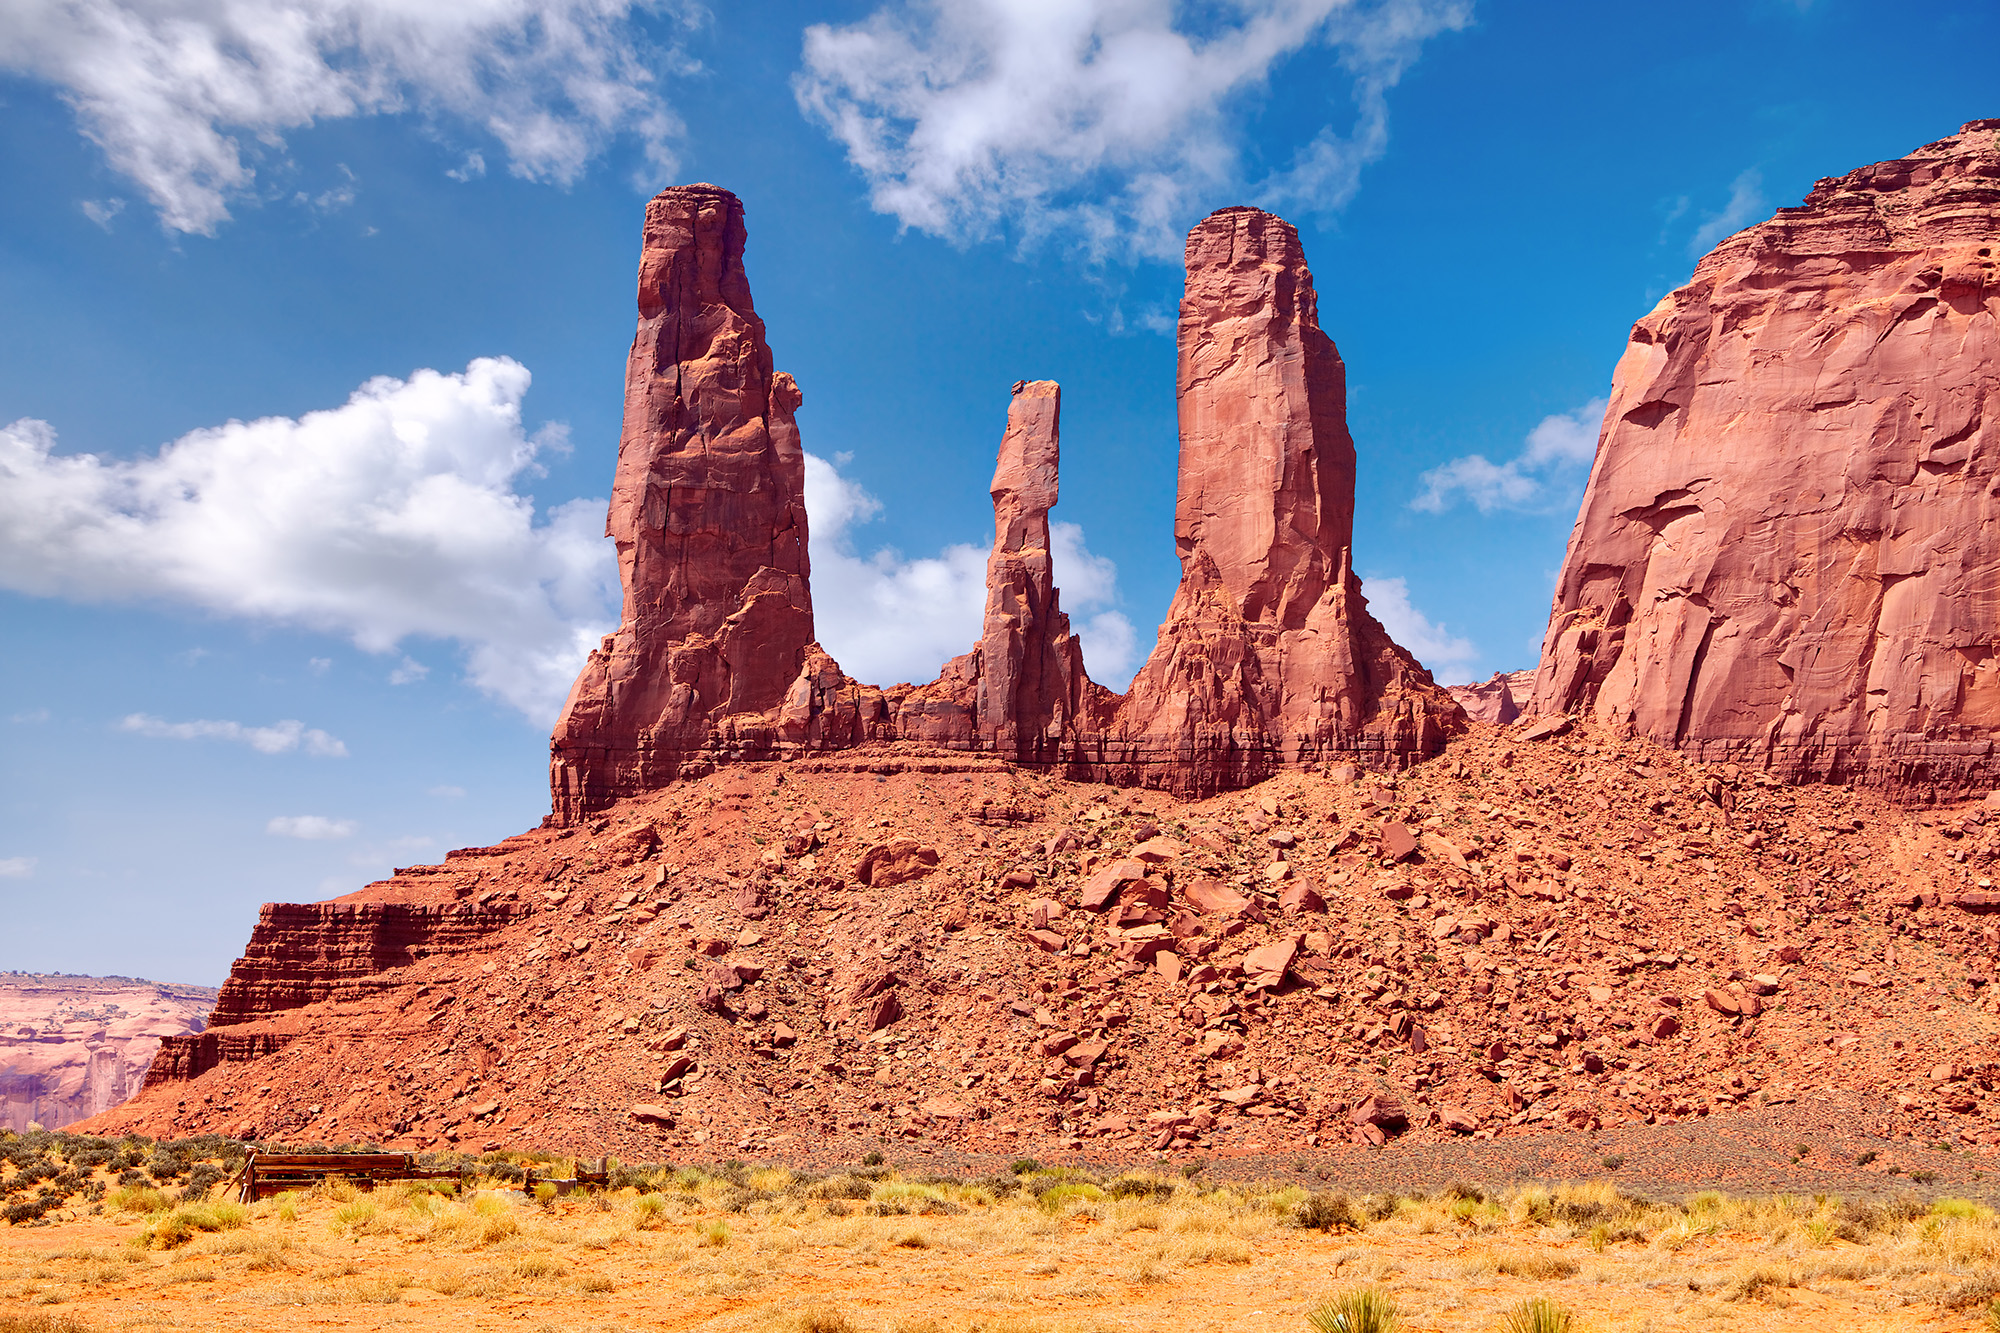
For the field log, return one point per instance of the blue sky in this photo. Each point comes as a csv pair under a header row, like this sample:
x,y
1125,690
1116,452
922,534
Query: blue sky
x,y
272,623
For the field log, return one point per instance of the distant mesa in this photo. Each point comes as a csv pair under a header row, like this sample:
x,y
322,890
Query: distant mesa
x,y
1788,553
1268,659
72,1047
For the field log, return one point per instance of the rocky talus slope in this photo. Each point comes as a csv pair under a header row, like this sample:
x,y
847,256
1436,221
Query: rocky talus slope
x,y
72,1047
1788,553
1538,931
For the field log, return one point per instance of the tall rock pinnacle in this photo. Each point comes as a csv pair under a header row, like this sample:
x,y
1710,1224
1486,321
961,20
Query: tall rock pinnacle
x,y
1268,656
708,513
1021,693
1788,553
1031,667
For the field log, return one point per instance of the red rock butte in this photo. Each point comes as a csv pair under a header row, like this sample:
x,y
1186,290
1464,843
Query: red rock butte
x,y
1268,658
1788,553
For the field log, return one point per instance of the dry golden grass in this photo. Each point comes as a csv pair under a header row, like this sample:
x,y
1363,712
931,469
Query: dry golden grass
x,y
766,1250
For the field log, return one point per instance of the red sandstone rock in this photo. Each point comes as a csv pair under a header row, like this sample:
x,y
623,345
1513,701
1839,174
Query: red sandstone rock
x,y
1268,657
1021,693
708,513
1497,699
1788,549
72,1047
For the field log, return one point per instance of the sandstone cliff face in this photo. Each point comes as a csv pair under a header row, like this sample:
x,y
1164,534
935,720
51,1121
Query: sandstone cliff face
x,y
1268,657
1789,550
708,512
73,1047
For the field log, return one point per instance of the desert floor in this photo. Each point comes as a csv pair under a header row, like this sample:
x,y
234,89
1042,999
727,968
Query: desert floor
x,y
1029,1251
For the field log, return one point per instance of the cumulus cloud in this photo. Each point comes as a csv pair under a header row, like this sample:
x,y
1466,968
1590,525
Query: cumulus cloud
x,y
185,97
17,867
1555,449
278,738
1112,122
1746,205
889,618
394,515
311,828
1451,659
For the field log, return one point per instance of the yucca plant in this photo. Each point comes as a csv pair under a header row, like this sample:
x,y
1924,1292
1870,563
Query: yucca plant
x,y
1537,1314
1993,1315
1360,1310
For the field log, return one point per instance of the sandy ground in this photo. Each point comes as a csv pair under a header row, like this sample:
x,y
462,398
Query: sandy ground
x,y
1227,1261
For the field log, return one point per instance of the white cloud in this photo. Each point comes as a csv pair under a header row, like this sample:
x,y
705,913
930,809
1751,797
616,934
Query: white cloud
x,y
311,828
319,666
1554,450
186,96
1746,205
1450,658
887,618
278,738
409,672
1113,122
393,515
30,715
17,867
445,792
101,211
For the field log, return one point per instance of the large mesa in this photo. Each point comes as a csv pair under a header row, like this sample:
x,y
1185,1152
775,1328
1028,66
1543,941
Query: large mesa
x,y
1788,553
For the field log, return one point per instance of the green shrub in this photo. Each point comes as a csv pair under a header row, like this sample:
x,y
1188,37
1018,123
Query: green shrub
x,y
1327,1212
1537,1314
1360,1310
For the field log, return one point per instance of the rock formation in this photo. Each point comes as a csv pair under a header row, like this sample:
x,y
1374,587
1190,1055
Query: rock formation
x,y
73,1047
708,513
1021,694
1789,549
1268,657
1498,699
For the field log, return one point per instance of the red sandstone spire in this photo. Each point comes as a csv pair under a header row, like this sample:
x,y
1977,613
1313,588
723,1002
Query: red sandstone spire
x,y
708,511
1268,656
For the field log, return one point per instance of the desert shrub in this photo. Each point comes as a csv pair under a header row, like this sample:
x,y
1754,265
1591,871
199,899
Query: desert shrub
x,y
1536,1265
1327,1212
1058,1197
1021,1166
712,1234
41,1323
164,1166
1993,1315
819,1319
649,1212
137,1199
29,1210
1139,1187
872,1159
537,1265
1754,1283
177,1228
1360,1310
1537,1314
841,1187
1458,1189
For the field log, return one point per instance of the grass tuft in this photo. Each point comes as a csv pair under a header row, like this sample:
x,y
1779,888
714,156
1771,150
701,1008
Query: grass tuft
x,y
1359,1310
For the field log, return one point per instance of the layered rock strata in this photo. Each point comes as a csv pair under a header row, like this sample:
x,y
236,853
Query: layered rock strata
x,y
73,1047
1268,657
1788,553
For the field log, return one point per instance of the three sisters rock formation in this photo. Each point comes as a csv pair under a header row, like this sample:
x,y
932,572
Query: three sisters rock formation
x,y
1268,658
